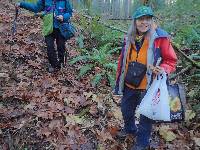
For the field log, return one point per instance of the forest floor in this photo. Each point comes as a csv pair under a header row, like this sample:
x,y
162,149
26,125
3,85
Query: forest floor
x,y
39,110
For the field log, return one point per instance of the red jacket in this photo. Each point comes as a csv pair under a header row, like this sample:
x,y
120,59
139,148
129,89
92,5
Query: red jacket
x,y
168,55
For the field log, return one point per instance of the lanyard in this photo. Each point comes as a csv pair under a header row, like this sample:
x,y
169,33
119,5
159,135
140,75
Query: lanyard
x,y
131,49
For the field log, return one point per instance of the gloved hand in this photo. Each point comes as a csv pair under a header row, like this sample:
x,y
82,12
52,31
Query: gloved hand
x,y
60,18
17,5
39,14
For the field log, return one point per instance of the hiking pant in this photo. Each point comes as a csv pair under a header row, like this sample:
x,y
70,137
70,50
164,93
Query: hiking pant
x,y
130,100
55,58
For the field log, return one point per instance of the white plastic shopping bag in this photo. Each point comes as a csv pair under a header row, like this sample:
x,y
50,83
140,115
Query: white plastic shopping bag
x,y
155,104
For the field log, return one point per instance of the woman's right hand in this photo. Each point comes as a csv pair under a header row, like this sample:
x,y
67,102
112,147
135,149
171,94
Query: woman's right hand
x,y
156,70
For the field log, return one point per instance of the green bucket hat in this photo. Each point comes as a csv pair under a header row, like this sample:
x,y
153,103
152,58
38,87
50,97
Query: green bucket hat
x,y
143,11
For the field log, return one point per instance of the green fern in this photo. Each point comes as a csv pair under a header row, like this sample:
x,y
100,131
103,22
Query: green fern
x,y
97,79
111,80
195,56
114,50
101,54
79,58
79,40
85,69
98,57
196,77
111,66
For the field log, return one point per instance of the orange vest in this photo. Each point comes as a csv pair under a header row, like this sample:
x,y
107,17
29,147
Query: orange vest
x,y
142,58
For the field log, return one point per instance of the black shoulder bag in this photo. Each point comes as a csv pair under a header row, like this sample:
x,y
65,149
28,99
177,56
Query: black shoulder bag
x,y
136,71
67,29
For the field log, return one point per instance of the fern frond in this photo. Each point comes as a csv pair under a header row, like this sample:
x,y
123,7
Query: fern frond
x,y
85,69
111,66
105,48
196,76
80,41
114,50
97,79
79,58
111,80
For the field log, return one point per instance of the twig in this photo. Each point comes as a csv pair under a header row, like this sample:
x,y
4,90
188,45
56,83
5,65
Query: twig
x,y
195,57
181,72
111,27
120,19
194,63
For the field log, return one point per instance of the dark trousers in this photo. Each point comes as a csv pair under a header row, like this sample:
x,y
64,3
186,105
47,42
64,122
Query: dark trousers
x,y
130,100
55,58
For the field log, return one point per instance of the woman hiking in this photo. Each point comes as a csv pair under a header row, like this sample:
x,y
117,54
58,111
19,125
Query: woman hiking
x,y
54,14
144,46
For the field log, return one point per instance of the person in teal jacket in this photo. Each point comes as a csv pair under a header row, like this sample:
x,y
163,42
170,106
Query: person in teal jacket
x,y
54,13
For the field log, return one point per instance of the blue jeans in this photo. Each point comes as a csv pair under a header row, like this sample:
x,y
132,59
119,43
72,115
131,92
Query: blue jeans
x,y
131,98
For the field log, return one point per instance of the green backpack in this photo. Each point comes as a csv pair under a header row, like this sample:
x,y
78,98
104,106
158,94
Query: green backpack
x,y
47,27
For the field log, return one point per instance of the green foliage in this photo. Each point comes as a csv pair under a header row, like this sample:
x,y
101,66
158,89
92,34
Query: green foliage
x,y
97,79
98,44
187,35
101,58
195,57
80,58
182,20
97,30
194,90
97,33
85,69
111,79
79,40
113,36
194,96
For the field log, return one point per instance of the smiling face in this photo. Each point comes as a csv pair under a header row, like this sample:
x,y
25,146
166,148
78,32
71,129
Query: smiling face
x,y
143,24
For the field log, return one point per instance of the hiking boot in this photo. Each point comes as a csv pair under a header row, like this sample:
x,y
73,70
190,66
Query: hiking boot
x,y
137,147
52,70
122,134
63,65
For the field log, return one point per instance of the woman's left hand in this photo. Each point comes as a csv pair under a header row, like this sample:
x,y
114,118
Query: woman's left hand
x,y
60,18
